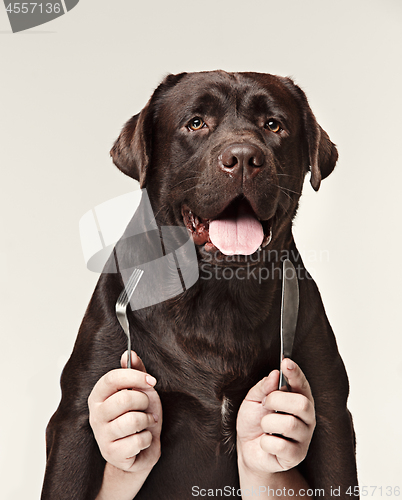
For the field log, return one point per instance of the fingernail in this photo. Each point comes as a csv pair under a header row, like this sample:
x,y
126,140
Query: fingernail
x,y
150,380
290,365
156,418
263,401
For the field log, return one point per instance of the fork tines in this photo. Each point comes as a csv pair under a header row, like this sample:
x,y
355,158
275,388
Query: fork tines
x,y
121,307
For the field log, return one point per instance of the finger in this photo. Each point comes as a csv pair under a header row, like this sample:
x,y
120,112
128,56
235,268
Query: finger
x,y
264,387
129,447
297,379
155,408
130,423
288,453
285,425
123,401
119,379
136,361
289,402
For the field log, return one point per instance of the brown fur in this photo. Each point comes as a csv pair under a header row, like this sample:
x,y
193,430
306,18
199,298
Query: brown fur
x,y
219,337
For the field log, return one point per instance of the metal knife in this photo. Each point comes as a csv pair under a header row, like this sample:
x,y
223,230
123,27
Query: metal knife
x,y
289,313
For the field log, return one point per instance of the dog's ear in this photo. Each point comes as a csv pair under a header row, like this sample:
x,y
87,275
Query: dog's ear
x,y
131,152
322,152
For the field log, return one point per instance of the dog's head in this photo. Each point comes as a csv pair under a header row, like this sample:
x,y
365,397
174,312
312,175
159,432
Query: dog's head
x,y
225,155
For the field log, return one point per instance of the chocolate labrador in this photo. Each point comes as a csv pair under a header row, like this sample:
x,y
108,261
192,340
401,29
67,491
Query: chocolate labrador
x,y
210,148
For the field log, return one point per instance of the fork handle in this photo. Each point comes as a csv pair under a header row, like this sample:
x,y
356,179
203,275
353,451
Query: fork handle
x,y
128,351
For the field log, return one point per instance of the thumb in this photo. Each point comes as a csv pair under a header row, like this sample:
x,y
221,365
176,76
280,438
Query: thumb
x,y
264,387
297,379
136,362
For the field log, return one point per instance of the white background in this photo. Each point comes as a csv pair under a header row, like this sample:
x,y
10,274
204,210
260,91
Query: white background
x,y
68,86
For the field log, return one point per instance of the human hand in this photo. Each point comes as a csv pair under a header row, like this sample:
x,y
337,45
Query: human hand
x,y
267,413
127,423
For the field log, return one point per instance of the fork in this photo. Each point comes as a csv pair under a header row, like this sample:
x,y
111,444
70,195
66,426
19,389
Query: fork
x,y
121,307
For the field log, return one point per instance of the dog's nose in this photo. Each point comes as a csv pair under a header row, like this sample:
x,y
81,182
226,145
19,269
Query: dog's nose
x,y
242,159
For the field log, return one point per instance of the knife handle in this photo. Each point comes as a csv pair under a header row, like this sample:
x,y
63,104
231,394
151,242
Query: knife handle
x,y
283,382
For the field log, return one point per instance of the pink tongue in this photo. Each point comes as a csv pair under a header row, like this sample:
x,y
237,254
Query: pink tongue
x,y
238,235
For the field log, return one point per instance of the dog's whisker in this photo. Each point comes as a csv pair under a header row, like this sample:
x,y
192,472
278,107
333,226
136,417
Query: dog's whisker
x,y
283,189
186,180
162,208
287,175
288,189
285,193
189,189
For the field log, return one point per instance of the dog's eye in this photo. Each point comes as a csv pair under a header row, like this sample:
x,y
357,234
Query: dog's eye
x,y
273,125
196,123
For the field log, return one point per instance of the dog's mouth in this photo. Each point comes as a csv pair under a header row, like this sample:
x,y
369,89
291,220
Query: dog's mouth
x,y
237,230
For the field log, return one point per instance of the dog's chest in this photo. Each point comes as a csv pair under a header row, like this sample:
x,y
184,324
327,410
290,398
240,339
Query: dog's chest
x,y
205,361
205,364
201,408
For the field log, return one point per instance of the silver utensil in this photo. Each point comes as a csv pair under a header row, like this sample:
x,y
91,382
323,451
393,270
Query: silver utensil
x,y
289,313
121,307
